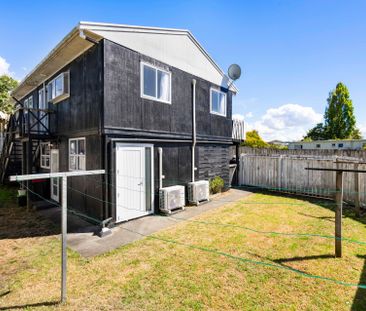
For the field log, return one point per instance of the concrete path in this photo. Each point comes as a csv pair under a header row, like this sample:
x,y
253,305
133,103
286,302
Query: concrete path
x,y
88,244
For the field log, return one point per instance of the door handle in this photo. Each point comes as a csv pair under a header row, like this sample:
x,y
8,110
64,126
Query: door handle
x,y
139,184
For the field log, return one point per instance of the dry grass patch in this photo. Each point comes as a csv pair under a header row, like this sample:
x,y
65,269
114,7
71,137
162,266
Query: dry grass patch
x,y
154,274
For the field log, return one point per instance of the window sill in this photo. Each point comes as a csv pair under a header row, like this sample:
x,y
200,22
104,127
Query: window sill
x,y
155,99
60,98
218,114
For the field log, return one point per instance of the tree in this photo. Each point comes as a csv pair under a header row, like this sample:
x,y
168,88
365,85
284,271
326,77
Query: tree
x,y
316,133
339,118
6,85
253,140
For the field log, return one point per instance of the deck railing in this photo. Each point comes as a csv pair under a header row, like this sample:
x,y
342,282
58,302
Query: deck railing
x,y
238,133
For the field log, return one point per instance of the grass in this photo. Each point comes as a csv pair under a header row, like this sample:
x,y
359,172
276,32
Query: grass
x,y
153,274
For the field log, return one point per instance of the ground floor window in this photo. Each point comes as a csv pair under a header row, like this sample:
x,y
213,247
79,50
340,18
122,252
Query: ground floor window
x,y
77,154
45,155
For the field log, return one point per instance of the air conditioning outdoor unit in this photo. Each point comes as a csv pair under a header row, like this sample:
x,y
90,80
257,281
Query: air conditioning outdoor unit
x,y
198,191
171,199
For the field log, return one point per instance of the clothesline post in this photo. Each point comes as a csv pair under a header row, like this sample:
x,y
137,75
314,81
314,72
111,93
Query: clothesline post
x,y
63,176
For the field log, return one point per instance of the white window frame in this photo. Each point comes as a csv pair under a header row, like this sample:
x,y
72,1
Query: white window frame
x,y
45,156
52,98
142,64
77,156
41,98
212,89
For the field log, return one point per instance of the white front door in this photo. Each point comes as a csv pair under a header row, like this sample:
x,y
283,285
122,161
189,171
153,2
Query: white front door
x,y
55,182
130,182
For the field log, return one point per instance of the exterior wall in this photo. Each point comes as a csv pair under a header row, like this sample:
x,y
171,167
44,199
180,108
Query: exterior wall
x,y
79,115
127,116
329,144
126,110
105,103
81,111
85,193
213,160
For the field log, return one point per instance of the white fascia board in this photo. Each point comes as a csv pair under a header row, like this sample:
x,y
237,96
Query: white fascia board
x,y
51,58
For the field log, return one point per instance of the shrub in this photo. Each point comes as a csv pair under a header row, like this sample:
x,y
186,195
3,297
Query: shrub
x,y
216,185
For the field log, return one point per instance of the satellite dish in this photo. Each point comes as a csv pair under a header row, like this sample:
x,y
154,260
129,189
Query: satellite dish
x,y
234,72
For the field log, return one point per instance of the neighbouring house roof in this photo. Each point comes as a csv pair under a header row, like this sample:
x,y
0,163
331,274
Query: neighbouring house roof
x,y
328,141
175,47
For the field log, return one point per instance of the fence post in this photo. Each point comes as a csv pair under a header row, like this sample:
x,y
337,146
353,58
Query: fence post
x,y
338,214
279,172
357,192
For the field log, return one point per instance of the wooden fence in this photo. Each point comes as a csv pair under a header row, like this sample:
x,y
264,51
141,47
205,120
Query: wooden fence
x,y
285,171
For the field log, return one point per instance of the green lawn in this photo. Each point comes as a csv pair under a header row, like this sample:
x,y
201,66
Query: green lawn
x,y
197,265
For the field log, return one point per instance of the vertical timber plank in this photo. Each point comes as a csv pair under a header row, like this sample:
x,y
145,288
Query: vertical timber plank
x,y
338,214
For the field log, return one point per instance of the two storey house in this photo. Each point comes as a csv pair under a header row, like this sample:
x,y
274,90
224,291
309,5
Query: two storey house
x,y
108,97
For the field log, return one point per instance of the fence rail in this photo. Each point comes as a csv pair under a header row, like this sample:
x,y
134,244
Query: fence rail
x,y
286,172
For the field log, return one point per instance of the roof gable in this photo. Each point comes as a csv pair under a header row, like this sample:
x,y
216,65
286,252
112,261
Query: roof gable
x,y
175,47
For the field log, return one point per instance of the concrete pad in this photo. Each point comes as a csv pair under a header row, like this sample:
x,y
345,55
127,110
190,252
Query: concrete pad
x,y
88,244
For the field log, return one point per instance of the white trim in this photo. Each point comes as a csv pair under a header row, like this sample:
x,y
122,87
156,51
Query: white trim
x,y
56,99
77,155
45,156
152,211
225,96
55,179
142,64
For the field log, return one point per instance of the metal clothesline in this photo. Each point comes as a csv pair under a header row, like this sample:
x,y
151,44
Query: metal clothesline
x,y
63,176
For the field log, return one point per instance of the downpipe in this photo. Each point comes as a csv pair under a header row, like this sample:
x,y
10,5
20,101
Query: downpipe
x,y
193,128
161,176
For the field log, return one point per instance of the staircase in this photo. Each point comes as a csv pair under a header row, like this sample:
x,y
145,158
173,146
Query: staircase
x,y
11,154
22,130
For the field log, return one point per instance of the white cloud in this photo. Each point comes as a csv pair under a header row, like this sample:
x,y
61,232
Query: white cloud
x,y
288,122
4,67
362,128
237,116
248,115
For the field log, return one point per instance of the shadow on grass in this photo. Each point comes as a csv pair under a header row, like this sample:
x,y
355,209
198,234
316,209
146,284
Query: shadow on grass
x,y
359,301
327,218
282,260
32,305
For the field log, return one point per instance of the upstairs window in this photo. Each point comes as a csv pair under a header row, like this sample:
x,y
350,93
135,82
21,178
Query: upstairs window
x,y
45,155
318,145
58,89
155,83
77,154
28,103
218,102
340,145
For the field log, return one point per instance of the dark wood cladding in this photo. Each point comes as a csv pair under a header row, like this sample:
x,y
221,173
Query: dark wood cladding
x,y
85,193
124,107
213,160
81,112
105,103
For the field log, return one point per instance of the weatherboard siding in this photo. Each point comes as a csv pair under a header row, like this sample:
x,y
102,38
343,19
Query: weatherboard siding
x,y
125,109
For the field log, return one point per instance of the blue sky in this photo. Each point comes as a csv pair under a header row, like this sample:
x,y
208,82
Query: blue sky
x,y
292,52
